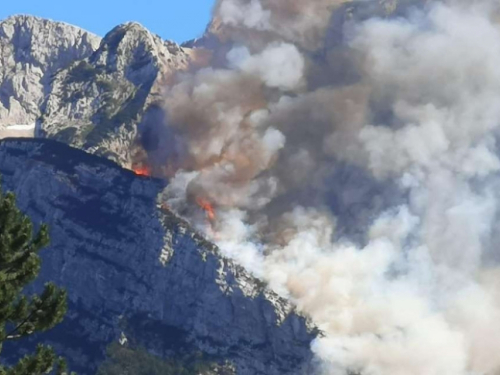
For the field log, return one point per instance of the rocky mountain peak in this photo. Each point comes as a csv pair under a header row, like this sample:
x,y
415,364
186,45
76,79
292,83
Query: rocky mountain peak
x,y
32,49
41,39
89,92
137,53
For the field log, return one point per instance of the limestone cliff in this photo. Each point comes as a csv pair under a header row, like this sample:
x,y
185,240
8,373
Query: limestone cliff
x,y
32,49
80,89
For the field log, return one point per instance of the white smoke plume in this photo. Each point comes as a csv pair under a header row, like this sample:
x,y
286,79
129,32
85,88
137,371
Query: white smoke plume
x,y
278,66
371,202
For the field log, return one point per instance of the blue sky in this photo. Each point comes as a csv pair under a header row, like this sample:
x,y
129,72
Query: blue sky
x,y
178,20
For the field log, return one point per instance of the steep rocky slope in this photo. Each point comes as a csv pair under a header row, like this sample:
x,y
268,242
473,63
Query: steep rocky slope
x,y
31,51
97,104
82,90
132,269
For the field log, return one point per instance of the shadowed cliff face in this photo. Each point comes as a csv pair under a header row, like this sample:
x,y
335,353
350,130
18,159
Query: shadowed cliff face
x,y
134,269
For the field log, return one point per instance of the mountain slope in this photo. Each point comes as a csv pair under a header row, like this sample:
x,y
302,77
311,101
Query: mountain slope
x,y
97,104
32,49
79,89
133,269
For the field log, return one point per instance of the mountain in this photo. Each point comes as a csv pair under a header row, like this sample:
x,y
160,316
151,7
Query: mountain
x,y
100,94
32,50
135,272
77,88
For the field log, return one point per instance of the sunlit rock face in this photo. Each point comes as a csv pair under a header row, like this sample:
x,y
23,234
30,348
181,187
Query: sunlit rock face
x,y
32,50
133,269
80,89
98,103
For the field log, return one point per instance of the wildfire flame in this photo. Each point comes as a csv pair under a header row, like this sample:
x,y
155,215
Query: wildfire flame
x,y
142,171
207,207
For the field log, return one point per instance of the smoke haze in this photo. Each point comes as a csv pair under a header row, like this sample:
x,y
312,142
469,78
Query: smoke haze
x,y
349,150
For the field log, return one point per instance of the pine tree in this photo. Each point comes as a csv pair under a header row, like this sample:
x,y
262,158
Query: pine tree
x,y
21,316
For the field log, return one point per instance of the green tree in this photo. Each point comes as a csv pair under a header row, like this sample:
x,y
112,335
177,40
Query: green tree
x,y
21,316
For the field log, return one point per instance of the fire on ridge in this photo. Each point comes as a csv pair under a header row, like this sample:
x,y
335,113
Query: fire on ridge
x,y
207,207
142,170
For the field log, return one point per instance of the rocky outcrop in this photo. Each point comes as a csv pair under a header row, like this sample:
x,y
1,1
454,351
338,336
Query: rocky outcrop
x,y
32,50
134,270
79,89
97,104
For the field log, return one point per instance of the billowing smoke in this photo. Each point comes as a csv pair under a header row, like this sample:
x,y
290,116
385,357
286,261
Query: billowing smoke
x,y
302,22
359,177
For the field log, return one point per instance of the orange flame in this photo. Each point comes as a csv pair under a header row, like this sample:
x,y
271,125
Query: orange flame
x,y
142,171
207,207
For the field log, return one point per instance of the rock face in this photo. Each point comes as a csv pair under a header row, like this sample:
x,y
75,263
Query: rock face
x,y
132,269
31,51
97,104
79,89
